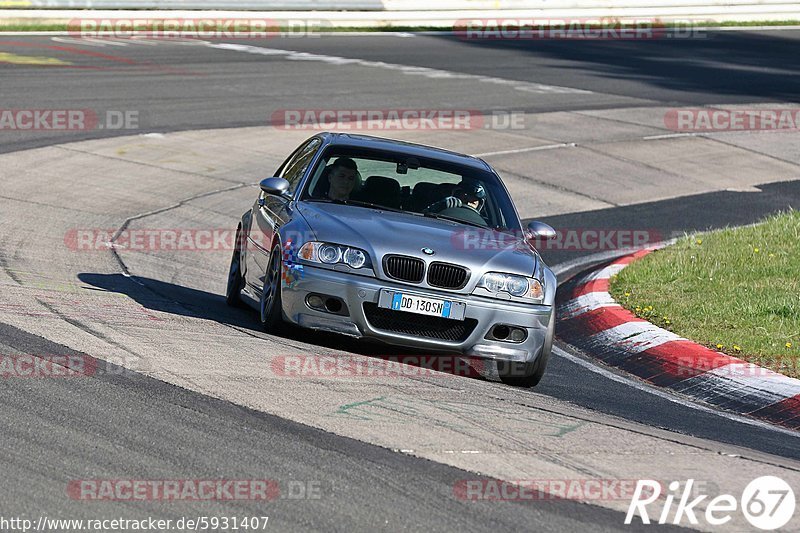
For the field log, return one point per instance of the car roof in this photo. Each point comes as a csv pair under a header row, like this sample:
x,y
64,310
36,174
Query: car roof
x,y
403,147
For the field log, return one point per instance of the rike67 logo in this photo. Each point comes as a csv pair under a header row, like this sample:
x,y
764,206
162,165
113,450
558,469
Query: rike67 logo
x,y
767,502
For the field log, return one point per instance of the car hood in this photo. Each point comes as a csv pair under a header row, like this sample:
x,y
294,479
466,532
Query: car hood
x,y
386,232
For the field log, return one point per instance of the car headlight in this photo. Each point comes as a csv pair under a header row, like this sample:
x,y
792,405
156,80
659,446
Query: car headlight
x,y
355,258
519,286
331,254
493,282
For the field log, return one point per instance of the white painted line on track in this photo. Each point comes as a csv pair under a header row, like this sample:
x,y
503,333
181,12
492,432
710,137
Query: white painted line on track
x,y
433,73
669,136
529,149
72,40
104,42
120,41
639,385
668,396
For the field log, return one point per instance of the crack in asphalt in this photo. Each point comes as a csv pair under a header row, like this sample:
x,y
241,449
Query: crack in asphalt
x,y
176,205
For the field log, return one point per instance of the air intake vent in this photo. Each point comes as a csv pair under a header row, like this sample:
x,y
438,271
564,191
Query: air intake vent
x,y
447,276
403,268
413,325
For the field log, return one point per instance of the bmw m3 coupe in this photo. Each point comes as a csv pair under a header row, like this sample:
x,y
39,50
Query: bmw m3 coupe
x,y
408,244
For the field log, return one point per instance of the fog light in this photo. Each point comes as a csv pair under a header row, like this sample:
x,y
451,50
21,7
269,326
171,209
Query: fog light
x,y
314,301
333,305
506,333
500,332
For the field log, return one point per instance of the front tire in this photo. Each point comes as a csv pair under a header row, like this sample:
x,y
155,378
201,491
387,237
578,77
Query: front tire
x,y
271,307
233,292
528,375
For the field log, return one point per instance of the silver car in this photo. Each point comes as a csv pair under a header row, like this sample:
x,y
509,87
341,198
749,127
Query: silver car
x,y
408,244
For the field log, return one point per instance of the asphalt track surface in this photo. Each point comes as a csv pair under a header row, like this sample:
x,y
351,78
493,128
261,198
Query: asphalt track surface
x,y
59,430
190,87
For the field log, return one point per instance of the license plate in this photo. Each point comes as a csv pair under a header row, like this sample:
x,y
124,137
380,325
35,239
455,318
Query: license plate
x,y
422,305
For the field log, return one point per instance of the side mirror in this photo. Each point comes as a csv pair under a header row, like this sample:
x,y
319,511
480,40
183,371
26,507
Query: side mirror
x,y
540,230
275,186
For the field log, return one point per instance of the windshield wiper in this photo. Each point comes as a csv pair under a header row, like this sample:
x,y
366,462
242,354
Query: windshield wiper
x,y
323,200
431,214
361,203
373,206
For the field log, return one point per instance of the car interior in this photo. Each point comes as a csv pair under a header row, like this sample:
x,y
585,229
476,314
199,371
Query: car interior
x,y
387,191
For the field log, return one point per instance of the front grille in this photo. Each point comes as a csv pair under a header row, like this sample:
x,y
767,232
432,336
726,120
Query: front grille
x,y
447,276
404,268
414,325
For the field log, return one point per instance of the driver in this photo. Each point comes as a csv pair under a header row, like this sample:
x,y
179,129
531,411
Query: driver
x,y
469,194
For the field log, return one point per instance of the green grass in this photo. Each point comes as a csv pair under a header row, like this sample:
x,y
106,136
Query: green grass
x,y
735,290
733,24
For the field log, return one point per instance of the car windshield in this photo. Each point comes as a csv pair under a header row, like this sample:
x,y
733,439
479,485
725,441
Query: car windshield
x,y
418,186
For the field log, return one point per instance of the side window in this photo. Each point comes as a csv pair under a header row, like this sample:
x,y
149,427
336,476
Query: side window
x,y
295,168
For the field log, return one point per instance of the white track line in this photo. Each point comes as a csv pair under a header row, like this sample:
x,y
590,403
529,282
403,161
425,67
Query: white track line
x,y
529,149
292,55
640,385
72,40
668,396
104,42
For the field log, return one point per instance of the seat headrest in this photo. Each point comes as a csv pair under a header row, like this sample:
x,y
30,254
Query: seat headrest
x,y
382,183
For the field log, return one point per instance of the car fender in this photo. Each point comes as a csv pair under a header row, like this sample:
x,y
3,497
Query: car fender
x,y
244,228
550,285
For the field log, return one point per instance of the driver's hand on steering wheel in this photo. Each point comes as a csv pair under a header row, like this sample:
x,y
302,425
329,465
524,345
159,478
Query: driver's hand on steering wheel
x,y
445,203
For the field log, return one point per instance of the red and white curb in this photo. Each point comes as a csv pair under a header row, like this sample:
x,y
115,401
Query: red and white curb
x,y
590,319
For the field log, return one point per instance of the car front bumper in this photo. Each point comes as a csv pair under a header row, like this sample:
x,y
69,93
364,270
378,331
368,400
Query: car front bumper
x,y
356,290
